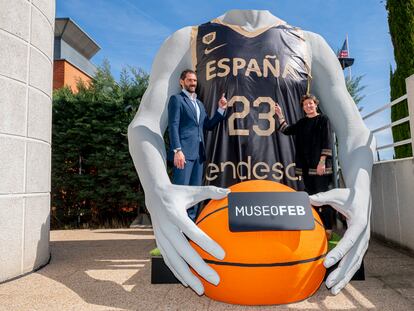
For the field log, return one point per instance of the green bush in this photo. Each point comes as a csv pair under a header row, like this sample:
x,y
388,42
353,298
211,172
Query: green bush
x,y
94,182
401,24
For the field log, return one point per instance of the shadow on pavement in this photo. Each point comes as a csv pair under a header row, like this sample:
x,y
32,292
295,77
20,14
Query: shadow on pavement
x,y
116,274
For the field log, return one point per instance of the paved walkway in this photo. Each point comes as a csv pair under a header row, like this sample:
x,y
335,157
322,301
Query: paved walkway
x,y
110,270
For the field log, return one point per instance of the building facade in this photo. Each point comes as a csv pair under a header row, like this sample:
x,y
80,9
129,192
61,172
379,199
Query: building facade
x,y
73,50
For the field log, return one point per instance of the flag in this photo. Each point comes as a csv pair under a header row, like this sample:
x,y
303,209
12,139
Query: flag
x,y
343,52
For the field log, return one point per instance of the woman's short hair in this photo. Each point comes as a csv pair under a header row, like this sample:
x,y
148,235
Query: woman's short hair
x,y
309,96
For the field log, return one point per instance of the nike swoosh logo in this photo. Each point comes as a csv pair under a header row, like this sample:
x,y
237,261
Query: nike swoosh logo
x,y
208,51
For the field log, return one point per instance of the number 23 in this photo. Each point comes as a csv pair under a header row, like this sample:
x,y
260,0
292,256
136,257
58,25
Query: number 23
x,y
246,109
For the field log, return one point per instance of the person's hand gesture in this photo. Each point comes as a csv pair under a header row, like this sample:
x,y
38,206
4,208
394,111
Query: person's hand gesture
x,y
278,111
179,159
223,102
321,168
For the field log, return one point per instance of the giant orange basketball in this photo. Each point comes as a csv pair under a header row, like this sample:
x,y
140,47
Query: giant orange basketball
x,y
262,267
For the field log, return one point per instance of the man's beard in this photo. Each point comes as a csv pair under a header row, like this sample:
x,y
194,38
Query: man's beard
x,y
190,89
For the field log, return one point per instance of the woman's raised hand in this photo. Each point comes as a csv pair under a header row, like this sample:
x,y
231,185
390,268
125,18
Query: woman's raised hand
x,y
278,111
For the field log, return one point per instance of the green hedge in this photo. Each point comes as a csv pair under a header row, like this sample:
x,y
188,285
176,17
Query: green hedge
x,y
401,24
94,182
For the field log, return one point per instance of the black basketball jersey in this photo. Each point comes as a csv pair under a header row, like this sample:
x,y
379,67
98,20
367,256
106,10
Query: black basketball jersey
x,y
254,70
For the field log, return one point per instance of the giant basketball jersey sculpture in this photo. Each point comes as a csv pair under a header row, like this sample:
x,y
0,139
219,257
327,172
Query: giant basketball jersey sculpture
x,y
167,202
254,70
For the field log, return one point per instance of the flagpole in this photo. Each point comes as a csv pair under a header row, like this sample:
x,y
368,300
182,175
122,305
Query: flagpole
x,y
349,55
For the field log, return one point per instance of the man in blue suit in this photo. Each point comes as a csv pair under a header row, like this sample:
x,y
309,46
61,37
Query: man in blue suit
x,y
187,120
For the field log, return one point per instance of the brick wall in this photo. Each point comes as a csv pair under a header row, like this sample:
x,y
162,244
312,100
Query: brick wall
x,y
65,74
58,74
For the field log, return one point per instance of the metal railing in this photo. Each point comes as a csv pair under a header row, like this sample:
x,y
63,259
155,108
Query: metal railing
x,y
389,125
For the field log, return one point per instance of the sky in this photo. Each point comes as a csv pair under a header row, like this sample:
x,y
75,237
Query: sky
x,y
130,32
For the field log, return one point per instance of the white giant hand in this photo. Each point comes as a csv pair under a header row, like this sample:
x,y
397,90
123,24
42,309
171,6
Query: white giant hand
x,y
171,227
167,204
352,247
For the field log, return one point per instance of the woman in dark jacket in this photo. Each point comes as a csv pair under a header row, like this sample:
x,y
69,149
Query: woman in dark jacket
x,y
313,143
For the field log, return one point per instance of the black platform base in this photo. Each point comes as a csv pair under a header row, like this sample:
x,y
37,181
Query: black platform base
x,y
358,276
160,273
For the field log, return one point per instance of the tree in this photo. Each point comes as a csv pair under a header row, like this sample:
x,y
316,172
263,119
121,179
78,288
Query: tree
x,y
355,89
401,24
94,181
